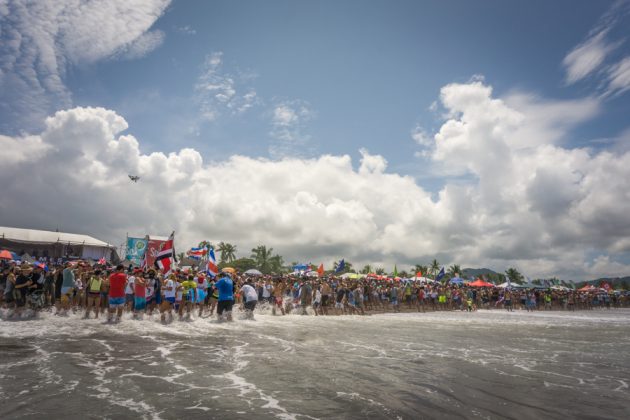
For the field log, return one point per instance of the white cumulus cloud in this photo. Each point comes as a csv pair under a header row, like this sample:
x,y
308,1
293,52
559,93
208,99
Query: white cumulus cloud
x,y
538,206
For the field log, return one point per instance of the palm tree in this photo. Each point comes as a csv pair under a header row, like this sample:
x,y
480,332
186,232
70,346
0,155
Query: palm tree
x,y
514,275
180,256
454,270
262,256
435,267
228,252
379,271
366,269
421,269
276,263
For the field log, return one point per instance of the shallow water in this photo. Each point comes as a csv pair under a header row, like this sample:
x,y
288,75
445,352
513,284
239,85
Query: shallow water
x,y
489,364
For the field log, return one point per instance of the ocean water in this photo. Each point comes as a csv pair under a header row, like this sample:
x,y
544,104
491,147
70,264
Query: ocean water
x,y
486,364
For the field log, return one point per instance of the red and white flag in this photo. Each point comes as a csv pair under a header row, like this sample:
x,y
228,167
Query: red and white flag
x,y
165,258
102,261
211,265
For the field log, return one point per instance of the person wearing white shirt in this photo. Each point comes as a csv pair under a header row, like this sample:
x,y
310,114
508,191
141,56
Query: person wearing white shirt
x,y
250,299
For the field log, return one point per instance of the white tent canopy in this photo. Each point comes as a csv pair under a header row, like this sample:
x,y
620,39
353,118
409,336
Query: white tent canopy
x,y
84,246
44,236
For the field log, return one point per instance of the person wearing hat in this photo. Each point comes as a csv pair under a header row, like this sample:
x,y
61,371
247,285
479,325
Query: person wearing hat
x,y
225,286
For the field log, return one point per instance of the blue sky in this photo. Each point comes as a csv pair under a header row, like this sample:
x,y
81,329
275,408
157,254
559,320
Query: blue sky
x,y
457,95
368,70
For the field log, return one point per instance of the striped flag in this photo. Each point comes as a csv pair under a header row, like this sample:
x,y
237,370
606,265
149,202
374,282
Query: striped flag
x,y
165,258
211,265
197,253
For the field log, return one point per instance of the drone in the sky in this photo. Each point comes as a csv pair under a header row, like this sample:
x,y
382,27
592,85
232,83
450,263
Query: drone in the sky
x,y
134,178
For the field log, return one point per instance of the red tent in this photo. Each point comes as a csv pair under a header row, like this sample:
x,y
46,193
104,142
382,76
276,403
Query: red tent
x,y
480,283
587,288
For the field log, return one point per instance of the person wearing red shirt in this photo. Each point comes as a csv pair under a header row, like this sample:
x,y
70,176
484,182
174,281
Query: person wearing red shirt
x,y
117,283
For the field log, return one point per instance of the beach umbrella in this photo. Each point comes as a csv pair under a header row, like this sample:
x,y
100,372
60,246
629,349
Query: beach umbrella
x,y
5,255
253,272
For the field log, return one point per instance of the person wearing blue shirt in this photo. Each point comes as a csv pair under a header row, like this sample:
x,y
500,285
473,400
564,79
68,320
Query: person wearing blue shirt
x,y
226,296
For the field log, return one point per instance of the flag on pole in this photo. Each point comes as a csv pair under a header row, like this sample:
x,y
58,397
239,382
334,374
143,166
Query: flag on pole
x,y
440,275
320,270
197,253
165,258
211,265
145,261
341,266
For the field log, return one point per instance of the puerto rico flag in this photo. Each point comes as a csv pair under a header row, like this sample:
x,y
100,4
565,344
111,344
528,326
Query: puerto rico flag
x,y
165,259
211,265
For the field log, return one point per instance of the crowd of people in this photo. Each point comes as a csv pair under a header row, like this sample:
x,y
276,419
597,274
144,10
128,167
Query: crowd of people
x,y
95,290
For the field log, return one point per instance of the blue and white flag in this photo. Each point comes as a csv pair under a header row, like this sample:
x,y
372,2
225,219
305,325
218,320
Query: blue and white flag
x,y
341,266
440,275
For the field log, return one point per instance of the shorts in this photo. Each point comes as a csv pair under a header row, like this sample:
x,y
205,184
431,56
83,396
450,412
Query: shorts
x,y
394,302
157,298
339,305
251,305
224,306
325,300
129,298
170,300
278,302
116,302
140,303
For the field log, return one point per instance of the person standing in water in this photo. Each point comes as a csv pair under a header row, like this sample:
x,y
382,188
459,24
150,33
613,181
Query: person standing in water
x,y
225,286
117,283
250,299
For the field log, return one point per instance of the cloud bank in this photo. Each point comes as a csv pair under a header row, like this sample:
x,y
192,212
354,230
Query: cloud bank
x,y
528,202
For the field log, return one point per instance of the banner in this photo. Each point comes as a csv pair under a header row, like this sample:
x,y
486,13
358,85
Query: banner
x,y
154,246
136,248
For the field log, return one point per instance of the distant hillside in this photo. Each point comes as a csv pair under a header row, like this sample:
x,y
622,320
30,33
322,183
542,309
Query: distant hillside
x,y
616,282
477,272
